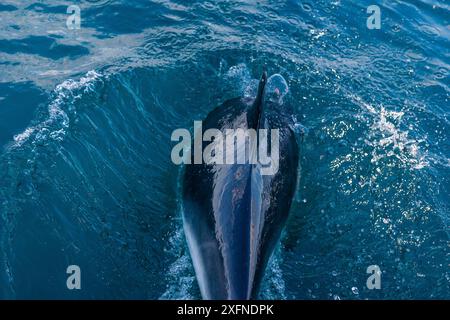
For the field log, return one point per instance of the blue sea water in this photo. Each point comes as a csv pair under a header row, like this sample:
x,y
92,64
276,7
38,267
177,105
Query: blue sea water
x,y
86,117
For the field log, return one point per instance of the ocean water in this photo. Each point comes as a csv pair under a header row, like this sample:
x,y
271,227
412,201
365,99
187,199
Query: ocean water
x,y
86,117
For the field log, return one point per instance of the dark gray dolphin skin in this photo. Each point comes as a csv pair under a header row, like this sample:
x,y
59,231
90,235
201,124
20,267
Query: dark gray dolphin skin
x,y
232,215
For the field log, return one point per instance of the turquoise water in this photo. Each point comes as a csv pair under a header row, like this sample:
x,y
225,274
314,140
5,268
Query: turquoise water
x,y
86,117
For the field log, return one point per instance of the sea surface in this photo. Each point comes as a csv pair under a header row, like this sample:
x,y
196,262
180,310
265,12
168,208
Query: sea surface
x,y
86,117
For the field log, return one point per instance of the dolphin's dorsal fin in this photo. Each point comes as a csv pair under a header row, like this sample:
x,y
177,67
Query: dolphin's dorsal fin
x,y
259,100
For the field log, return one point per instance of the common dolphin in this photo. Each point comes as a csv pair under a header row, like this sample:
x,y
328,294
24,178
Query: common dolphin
x,y
233,215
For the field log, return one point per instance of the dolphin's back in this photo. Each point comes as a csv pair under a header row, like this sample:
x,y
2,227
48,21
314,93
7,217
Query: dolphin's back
x,y
233,216
212,213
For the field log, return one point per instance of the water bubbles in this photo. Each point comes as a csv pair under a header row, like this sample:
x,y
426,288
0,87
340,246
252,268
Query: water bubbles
x,y
276,88
237,76
274,287
251,89
238,72
355,290
21,137
180,274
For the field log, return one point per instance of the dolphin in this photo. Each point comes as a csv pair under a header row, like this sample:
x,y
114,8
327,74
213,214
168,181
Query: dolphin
x,y
233,215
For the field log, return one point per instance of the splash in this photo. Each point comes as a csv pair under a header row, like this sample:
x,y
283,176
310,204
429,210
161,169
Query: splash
x,y
57,123
180,274
273,285
277,88
388,140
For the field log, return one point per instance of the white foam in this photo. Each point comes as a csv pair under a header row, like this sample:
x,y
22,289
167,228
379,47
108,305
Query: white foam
x,y
389,140
19,138
57,116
